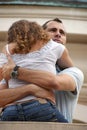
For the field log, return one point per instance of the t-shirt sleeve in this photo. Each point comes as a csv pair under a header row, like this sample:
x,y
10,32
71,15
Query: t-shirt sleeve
x,y
57,49
3,59
3,81
77,75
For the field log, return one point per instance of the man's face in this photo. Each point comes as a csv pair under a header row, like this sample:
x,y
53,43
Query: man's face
x,y
56,31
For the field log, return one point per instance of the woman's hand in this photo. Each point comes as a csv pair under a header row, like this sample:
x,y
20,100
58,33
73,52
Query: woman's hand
x,y
8,67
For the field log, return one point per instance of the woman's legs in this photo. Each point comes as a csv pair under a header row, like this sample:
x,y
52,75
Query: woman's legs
x,y
33,111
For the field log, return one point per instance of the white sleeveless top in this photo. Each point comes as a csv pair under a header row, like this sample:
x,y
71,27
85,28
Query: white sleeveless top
x,y
43,59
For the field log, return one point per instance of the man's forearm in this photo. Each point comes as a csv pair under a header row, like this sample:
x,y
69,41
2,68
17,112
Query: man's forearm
x,y
40,78
10,95
47,80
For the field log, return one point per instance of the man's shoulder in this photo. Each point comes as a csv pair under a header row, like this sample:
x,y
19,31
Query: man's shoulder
x,y
76,74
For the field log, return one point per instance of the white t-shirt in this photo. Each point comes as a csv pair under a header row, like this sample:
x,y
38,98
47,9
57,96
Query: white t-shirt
x,y
43,59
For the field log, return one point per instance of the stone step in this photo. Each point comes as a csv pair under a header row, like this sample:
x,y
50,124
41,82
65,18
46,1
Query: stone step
x,y
41,126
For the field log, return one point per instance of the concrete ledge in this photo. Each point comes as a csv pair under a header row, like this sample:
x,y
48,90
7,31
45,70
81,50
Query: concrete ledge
x,y
71,37
3,36
80,113
75,19
41,126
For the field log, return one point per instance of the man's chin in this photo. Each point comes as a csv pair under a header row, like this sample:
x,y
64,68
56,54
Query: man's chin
x,y
58,41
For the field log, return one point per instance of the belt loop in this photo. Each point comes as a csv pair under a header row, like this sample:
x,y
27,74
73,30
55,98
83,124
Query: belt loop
x,y
42,101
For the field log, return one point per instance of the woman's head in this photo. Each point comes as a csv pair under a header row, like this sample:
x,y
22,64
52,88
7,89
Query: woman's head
x,y
25,34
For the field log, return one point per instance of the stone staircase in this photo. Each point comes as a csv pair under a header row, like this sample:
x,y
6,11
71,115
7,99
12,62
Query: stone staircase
x,y
41,126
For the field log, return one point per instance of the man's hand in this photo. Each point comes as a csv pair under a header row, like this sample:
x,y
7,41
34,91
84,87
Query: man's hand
x,y
42,92
8,67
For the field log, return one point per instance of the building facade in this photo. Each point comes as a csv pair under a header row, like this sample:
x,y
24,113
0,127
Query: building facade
x,y
73,13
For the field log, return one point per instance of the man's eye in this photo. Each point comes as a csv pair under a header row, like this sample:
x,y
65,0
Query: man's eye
x,y
52,30
62,32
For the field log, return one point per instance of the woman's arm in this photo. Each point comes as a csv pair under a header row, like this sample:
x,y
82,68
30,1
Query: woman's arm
x,y
65,61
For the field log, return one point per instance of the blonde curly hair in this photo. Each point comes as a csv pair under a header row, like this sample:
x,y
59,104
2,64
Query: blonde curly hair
x,y
26,34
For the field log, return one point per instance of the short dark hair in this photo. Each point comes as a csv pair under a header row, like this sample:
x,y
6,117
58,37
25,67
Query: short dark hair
x,y
55,19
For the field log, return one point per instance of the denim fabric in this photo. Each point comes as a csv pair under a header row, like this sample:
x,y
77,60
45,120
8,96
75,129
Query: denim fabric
x,y
32,111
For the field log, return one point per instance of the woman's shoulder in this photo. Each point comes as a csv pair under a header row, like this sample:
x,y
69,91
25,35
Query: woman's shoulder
x,y
54,45
3,50
3,55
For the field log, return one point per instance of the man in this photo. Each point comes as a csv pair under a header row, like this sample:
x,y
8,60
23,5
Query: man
x,y
56,30
67,83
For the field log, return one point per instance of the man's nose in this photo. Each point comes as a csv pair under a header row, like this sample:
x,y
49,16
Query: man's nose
x,y
58,34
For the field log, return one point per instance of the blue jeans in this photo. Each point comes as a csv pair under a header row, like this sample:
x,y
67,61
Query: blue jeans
x,y
32,111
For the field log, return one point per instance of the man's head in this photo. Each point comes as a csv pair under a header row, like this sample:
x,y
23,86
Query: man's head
x,y
56,30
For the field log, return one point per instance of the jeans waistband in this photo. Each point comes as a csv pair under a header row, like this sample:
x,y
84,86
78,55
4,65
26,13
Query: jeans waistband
x,y
41,100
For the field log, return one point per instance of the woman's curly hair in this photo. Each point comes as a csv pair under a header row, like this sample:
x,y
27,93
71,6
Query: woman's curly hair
x,y
26,34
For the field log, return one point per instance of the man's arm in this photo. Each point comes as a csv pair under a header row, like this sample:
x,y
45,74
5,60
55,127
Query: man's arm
x,y
44,79
65,60
40,78
47,80
11,95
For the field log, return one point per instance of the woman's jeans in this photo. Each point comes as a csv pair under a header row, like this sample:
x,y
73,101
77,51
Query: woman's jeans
x,y
32,111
